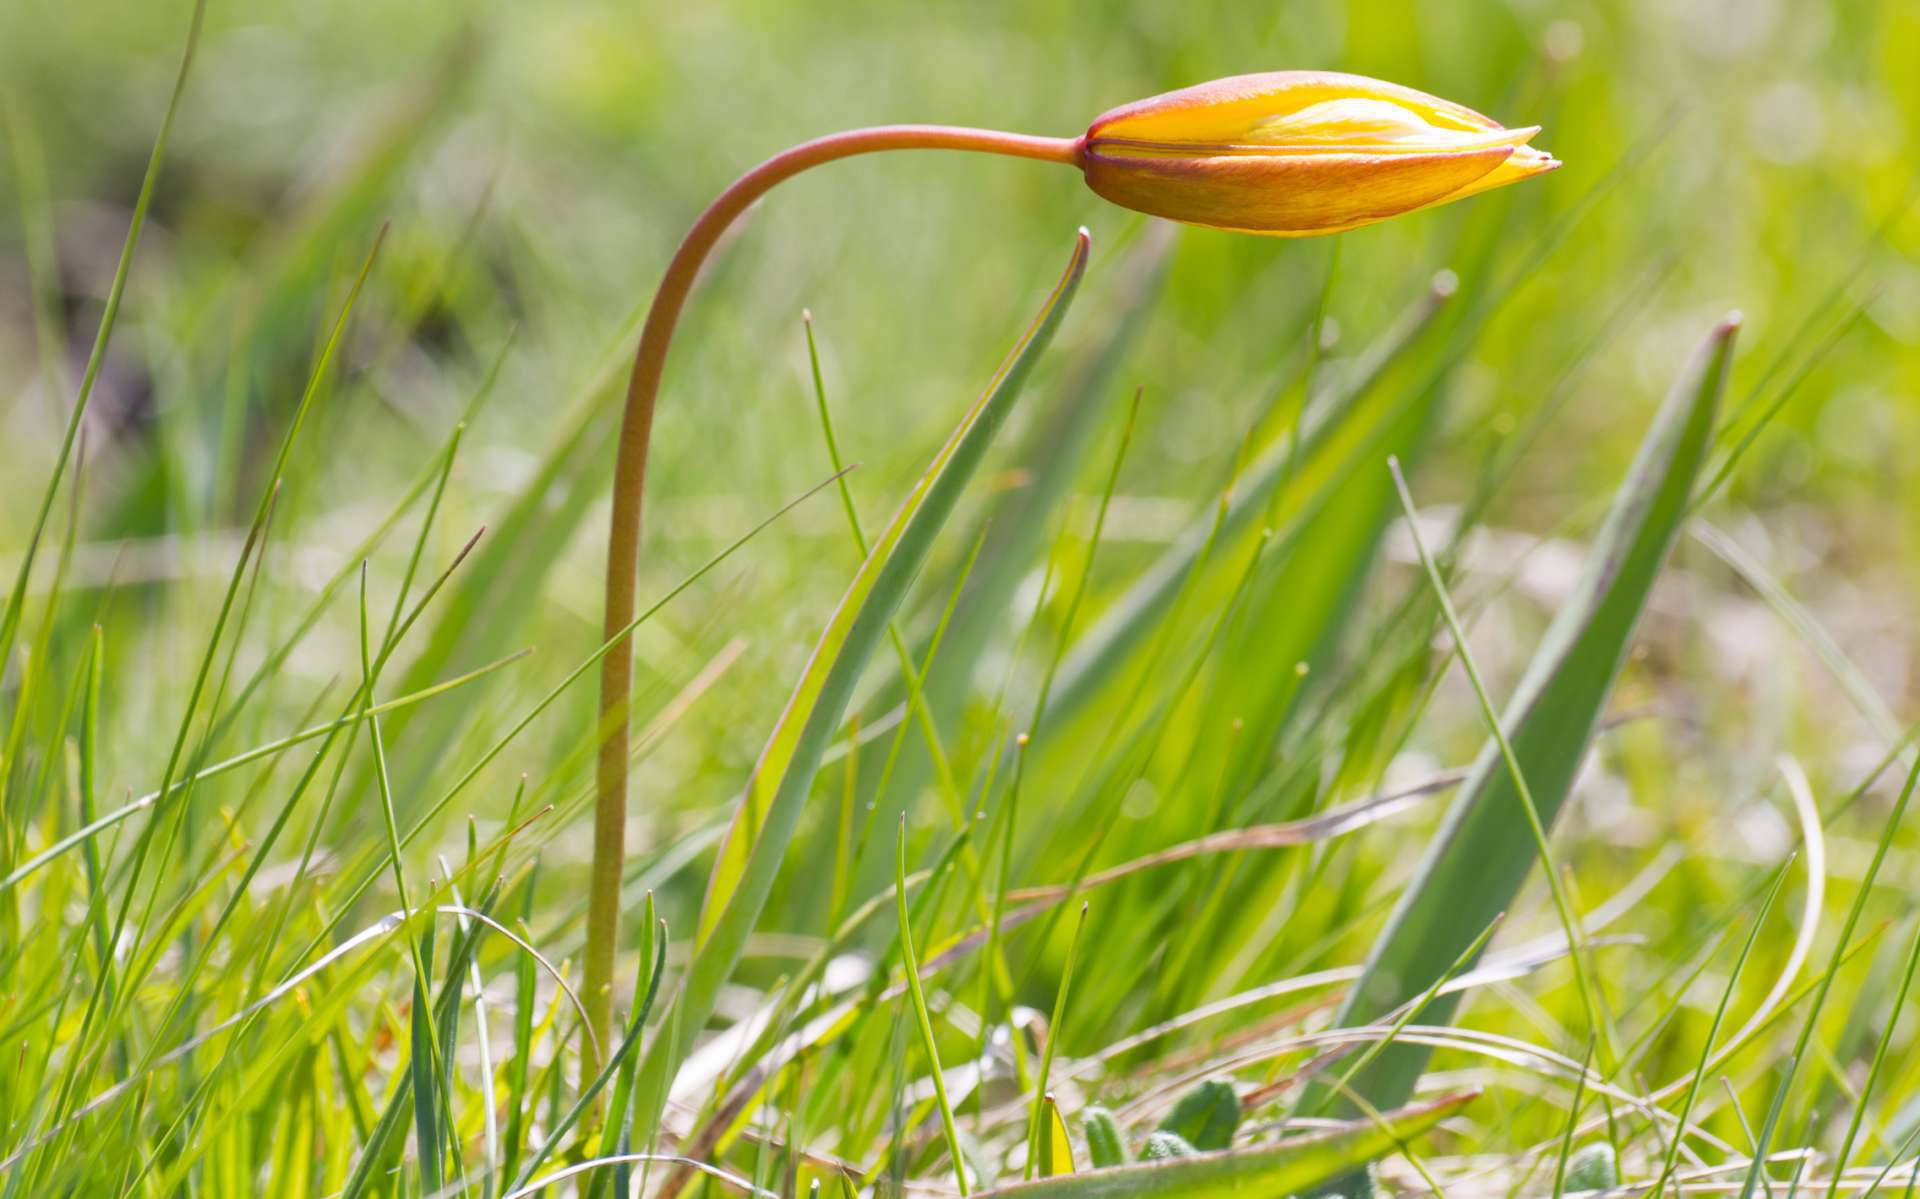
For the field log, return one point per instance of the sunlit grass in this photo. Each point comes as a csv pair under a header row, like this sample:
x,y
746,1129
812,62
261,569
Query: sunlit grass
x,y
300,523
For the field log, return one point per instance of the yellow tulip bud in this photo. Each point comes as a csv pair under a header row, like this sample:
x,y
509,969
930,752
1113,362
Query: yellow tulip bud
x,y
1299,153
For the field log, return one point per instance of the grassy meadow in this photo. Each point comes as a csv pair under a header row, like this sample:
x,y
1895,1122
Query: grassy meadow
x,y
1293,597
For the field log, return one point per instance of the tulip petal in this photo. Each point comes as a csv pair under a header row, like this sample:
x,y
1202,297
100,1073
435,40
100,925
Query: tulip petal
x,y
1231,110
1346,139
1523,163
1287,195
1363,124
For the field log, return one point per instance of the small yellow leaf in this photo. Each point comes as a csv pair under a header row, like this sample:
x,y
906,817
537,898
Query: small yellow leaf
x,y
1056,1150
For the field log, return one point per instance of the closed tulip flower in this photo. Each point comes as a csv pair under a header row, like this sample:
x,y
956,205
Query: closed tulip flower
x,y
1300,153
1291,154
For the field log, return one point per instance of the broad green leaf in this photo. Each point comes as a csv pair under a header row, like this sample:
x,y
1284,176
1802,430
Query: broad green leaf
x,y
764,824
1206,1116
1284,1169
1484,850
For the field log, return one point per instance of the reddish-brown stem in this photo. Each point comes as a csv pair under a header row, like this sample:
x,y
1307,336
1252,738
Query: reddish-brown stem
x,y
629,481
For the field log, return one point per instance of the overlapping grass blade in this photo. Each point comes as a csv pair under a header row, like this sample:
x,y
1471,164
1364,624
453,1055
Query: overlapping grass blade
x,y
1335,435
380,1151
923,1021
1821,988
615,1066
1016,529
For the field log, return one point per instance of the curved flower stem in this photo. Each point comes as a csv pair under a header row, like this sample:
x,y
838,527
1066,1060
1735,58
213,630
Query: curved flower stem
x,y
629,482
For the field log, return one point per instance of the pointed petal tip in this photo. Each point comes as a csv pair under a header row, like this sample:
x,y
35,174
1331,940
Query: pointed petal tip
x,y
1729,325
1535,161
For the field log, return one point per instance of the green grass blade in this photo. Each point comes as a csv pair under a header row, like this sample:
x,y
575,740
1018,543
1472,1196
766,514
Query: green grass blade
x,y
1478,861
1413,1008
1285,1169
1055,450
786,764
1719,1017
921,1018
422,1067
1873,1070
379,1152
1016,529
16,599
89,754
86,833
519,1067
618,1136
1823,986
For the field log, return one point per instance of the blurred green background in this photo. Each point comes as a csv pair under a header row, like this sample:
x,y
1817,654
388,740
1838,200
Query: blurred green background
x,y
536,163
